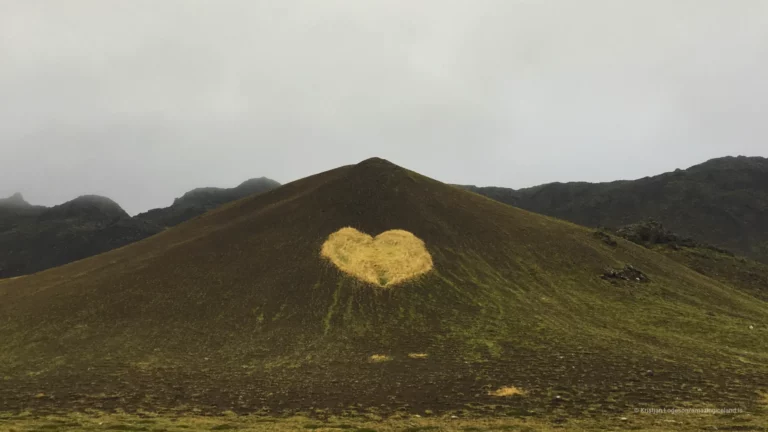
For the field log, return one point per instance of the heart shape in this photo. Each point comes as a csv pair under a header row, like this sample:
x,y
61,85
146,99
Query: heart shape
x,y
390,258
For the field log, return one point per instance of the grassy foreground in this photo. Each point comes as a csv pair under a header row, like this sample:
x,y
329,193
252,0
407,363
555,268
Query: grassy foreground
x,y
96,421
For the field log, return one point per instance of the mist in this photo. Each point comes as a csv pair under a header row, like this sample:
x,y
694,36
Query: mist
x,y
141,101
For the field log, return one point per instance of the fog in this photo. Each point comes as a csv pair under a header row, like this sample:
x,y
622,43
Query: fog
x,y
143,100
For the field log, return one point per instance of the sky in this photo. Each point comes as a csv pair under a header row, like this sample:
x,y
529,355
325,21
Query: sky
x,y
142,100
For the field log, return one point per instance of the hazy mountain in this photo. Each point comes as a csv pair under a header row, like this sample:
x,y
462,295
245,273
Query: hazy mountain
x,y
199,201
723,202
35,238
14,210
38,238
14,201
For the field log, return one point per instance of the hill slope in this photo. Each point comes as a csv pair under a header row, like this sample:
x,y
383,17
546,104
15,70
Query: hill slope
x,y
237,310
35,238
723,202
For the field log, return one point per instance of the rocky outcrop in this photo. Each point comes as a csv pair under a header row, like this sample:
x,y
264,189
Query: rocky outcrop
x,y
628,273
651,232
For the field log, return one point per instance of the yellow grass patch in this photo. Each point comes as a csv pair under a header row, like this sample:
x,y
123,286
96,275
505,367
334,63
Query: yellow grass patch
x,y
763,397
378,358
390,258
507,392
418,355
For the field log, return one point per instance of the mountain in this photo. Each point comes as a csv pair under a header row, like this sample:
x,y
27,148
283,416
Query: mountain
x,y
280,303
14,201
35,238
15,209
723,202
201,200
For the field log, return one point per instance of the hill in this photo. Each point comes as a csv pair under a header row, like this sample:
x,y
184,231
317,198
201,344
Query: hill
x,y
723,202
35,238
513,313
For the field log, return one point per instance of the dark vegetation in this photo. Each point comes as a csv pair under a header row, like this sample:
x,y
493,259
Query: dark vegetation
x,y
35,238
723,202
236,310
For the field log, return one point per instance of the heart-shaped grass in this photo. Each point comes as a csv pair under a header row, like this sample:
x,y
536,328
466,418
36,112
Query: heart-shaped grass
x,y
390,258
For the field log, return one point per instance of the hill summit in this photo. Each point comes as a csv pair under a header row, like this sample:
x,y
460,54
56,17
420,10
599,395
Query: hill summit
x,y
239,309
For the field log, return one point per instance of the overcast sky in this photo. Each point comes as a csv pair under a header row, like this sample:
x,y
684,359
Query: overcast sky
x,y
143,100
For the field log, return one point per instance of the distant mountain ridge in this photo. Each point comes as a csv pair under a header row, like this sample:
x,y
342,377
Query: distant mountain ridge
x,y
14,201
15,209
723,202
35,238
200,200
93,207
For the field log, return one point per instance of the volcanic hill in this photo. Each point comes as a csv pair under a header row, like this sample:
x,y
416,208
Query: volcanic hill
x,y
239,310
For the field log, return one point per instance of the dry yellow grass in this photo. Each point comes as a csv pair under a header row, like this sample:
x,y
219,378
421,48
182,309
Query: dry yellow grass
x,y
507,391
418,355
390,258
763,397
378,358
